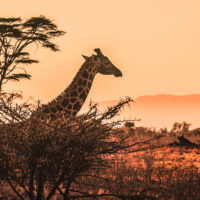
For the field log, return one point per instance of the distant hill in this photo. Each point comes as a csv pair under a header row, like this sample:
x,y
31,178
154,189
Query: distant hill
x,y
161,110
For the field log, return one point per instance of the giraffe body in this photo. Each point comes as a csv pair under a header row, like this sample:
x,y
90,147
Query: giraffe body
x,y
70,101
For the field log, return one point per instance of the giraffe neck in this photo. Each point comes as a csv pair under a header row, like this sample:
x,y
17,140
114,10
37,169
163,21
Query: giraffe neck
x,y
70,101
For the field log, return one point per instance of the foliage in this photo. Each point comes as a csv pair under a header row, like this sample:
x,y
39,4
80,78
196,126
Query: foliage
x,y
180,129
38,159
147,178
15,36
12,111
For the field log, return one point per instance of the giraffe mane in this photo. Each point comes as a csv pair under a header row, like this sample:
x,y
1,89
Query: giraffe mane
x,y
68,88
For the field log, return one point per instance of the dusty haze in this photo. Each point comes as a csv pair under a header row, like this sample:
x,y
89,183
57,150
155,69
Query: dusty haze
x,y
159,111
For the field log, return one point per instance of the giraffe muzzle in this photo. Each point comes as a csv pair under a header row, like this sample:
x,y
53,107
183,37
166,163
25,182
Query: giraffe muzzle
x,y
118,73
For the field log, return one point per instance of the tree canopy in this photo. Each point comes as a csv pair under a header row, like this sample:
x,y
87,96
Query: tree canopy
x,y
15,36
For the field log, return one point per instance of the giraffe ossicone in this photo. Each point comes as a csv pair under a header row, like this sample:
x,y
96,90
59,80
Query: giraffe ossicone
x,y
70,101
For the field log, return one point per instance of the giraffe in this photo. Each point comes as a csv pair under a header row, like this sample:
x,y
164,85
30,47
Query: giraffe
x,y
70,101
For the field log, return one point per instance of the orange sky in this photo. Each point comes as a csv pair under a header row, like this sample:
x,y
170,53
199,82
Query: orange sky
x,y
156,44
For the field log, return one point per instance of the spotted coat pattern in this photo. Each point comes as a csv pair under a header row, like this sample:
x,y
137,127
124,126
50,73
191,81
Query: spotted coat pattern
x,y
70,101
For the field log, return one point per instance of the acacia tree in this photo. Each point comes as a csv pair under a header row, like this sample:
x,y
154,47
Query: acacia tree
x,y
40,161
16,35
180,129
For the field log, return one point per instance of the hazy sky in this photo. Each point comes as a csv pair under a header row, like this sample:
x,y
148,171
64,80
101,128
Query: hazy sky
x,y
156,44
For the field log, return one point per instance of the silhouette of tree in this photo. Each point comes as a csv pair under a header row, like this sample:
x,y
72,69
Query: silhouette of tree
x,y
15,36
180,129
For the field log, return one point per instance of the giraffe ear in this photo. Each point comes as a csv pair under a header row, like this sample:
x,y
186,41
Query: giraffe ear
x,y
85,57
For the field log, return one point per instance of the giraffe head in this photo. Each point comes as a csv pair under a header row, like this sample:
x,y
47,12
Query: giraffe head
x,y
103,64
